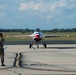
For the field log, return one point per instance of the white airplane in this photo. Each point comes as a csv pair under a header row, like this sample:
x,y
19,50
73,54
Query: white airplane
x,y
38,36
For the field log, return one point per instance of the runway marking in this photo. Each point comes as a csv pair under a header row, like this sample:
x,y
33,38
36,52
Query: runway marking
x,y
34,65
56,67
44,69
17,62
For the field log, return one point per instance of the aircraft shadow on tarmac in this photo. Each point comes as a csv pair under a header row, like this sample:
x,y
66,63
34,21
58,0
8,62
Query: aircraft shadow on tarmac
x,y
59,47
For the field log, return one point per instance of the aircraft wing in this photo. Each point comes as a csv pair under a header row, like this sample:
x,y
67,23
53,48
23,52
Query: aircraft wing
x,y
22,36
49,36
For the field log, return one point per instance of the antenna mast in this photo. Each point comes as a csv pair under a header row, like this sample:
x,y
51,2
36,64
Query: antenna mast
x,y
37,17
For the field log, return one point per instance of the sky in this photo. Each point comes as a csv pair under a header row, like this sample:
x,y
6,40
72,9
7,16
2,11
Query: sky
x,y
44,14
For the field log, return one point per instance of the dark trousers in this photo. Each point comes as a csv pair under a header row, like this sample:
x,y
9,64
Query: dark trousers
x,y
2,55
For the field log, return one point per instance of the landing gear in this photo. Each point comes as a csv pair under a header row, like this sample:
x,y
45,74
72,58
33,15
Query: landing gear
x,y
30,45
37,46
45,45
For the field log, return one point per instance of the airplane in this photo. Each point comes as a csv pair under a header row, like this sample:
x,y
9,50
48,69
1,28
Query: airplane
x,y
38,36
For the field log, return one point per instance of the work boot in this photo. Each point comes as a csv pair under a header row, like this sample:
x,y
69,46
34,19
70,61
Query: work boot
x,y
3,64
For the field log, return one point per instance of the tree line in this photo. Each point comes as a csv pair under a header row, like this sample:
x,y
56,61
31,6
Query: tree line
x,y
32,30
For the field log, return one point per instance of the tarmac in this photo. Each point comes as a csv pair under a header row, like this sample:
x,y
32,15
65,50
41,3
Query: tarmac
x,y
56,59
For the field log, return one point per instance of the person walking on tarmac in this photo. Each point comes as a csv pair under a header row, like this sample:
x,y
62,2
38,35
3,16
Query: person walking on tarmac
x,y
1,49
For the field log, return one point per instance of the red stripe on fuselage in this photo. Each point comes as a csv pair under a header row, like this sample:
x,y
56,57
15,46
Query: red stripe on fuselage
x,y
37,36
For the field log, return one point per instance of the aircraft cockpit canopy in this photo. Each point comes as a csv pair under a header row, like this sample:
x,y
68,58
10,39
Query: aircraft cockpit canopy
x,y
37,30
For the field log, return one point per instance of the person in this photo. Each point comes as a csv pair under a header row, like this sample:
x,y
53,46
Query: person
x,y
1,48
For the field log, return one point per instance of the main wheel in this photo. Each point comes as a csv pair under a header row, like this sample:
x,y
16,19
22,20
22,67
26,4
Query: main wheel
x,y
30,45
45,45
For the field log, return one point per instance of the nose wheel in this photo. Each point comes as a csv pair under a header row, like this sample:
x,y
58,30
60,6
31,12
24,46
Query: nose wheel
x,y
37,46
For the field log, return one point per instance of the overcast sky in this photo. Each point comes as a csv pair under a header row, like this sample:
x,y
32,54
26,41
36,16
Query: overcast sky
x,y
45,14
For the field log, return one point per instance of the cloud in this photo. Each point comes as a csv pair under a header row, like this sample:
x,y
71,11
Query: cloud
x,y
58,5
51,9
71,16
29,5
48,6
72,0
62,3
49,17
42,6
32,6
23,6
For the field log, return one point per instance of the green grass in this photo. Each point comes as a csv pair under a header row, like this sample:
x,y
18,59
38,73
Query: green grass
x,y
72,36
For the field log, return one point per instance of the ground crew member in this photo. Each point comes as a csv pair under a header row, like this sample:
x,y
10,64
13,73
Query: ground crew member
x,y
1,49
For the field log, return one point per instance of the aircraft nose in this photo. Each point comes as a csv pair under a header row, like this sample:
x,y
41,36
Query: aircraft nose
x,y
37,36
